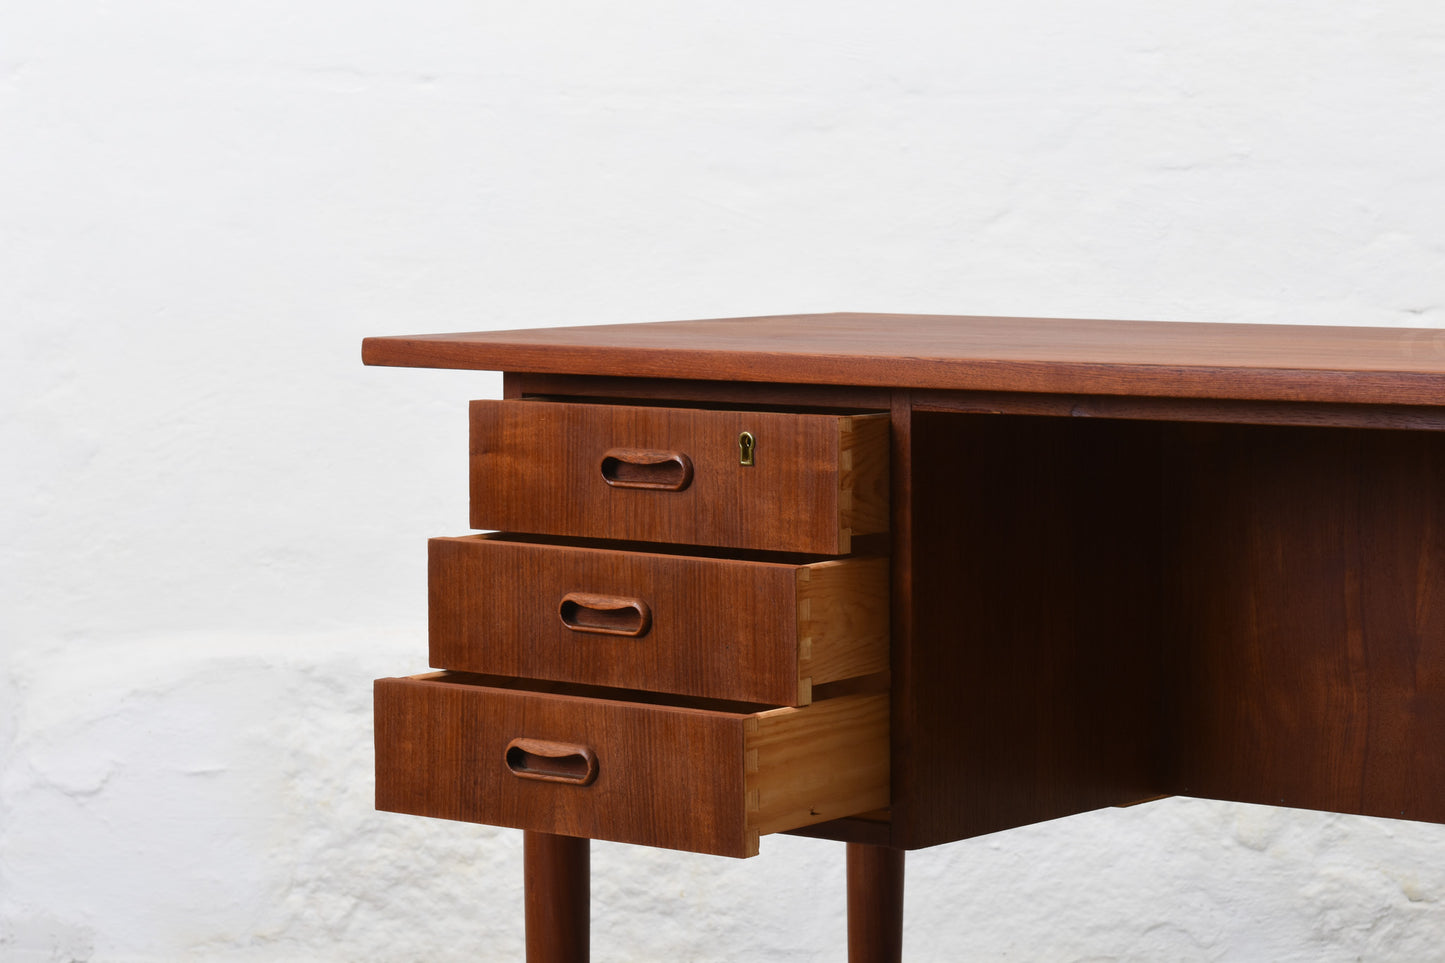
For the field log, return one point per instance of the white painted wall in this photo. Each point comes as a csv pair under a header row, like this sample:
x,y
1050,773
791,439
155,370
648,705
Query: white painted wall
x,y
212,518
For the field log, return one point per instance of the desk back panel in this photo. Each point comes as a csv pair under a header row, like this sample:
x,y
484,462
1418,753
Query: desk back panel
x,y
1305,602
1108,611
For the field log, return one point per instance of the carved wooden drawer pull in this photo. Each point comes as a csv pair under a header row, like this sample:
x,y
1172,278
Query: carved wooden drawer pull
x,y
551,761
605,614
665,471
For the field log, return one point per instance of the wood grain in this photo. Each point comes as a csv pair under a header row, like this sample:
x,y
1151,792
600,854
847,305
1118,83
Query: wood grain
x,y
536,467
1221,411
1134,407
671,775
747,630
558,891
1031,686
875,904
842,619
673,392
902,665
1306,601
1049,355
810,765
863,475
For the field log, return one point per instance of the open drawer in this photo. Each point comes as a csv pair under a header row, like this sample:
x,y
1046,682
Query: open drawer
x,y
630,767
743,629
769,480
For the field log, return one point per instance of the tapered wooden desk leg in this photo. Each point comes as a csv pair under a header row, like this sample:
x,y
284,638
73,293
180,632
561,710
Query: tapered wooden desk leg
x,y
559,890
875,904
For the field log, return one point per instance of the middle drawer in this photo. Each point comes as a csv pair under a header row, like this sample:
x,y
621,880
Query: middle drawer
x,y
724,628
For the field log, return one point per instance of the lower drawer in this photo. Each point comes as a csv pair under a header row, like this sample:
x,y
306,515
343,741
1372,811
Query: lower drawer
x,y
709,777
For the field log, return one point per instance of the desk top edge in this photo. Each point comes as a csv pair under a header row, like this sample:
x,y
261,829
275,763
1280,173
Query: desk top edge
x,y
1301,363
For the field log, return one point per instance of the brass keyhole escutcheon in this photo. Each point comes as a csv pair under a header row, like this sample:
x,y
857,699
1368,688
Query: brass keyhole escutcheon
x,y
747,444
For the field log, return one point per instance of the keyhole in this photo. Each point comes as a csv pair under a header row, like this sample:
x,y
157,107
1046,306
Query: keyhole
x,y
747,444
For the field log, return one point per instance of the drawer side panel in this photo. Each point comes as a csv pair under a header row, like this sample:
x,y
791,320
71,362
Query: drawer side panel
x,y
843,618
863,476
822,762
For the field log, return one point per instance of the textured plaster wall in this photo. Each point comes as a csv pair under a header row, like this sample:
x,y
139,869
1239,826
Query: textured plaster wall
x,y
212,517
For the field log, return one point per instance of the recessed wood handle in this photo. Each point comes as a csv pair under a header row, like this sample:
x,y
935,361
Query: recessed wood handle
x,y
551,761
665,471
605,614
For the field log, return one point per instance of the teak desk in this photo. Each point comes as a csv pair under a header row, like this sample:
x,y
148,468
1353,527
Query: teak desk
x,y
900,580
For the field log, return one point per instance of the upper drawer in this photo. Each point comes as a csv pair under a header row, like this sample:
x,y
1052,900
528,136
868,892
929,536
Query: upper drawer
x,y
677,475
724,628
702,776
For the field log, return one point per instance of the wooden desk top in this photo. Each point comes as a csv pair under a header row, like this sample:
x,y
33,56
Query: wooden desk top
x,y
1398,366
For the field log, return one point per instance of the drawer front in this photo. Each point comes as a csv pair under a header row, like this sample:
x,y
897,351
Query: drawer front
x,y
682,777
676,475
715,627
